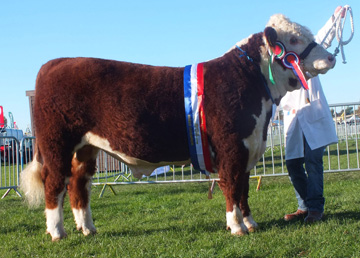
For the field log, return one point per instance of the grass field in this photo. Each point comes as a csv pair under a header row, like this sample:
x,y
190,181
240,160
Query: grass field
x,y
178,220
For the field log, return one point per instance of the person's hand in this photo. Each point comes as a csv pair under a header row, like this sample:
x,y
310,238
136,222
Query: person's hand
x,y
338,9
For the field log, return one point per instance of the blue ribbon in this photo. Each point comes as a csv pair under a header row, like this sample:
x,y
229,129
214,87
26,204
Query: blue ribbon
x,y
189,117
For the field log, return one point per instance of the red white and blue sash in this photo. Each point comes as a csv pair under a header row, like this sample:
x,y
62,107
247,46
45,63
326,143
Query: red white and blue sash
x,y
195,117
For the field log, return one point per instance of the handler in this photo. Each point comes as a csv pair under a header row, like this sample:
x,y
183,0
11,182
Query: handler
x,y
309,128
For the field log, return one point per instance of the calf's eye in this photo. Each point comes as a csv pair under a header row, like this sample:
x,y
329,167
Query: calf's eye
x,y
293,41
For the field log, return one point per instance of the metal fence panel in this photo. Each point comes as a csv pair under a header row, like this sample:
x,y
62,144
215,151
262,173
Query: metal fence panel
x,y
10,168
13,156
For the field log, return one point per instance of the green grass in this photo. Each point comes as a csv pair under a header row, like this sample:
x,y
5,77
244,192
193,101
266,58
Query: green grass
x,y
178,220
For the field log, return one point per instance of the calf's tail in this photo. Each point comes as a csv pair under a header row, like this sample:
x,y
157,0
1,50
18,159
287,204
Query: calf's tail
x,y
31,183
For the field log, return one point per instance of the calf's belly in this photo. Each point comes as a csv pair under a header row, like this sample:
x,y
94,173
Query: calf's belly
x,y
138,167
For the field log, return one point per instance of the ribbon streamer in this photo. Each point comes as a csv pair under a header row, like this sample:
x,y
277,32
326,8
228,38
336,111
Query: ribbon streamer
x,y
195,118
291,60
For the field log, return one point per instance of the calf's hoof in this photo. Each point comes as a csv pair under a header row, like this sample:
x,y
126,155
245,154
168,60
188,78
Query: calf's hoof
x,y
238,230
250,223
57,237
240,233
252,229
87,230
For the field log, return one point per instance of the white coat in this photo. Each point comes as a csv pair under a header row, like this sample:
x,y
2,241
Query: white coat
x,y
307,114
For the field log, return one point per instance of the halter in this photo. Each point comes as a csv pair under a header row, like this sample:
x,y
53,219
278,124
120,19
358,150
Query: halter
x,y
290,60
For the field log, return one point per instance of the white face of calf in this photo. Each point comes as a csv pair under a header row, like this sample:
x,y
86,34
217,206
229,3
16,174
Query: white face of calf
x,y
295,38
319,61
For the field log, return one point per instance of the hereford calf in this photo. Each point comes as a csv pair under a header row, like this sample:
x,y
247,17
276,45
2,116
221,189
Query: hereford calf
x,y
136,113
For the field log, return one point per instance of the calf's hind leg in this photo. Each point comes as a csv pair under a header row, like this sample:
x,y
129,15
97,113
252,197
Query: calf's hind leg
x,y
83,168
55,190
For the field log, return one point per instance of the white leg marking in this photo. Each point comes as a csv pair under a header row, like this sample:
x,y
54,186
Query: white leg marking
x,y
234,221
55,220
250,223
83,218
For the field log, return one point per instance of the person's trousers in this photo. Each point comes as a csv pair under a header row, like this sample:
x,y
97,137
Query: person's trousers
x,y
309,181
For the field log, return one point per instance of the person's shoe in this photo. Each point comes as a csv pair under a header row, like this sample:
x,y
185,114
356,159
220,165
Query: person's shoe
x,y
313,216
299,214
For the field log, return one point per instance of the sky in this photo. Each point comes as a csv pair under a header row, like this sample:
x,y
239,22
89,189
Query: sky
x,y
167,33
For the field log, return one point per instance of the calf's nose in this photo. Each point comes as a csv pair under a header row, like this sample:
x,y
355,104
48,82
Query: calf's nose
x,y
331,58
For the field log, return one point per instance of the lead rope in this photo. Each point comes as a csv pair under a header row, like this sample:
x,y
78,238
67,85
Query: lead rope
x,y
339,28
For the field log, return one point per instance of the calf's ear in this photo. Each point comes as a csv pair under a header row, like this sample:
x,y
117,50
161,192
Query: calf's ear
x,y
271,36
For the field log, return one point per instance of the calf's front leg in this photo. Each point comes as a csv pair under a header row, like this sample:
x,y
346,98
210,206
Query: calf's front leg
x,y
244,205
232,190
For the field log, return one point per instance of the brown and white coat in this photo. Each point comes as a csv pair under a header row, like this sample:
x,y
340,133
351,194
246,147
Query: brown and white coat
x,y
136,113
